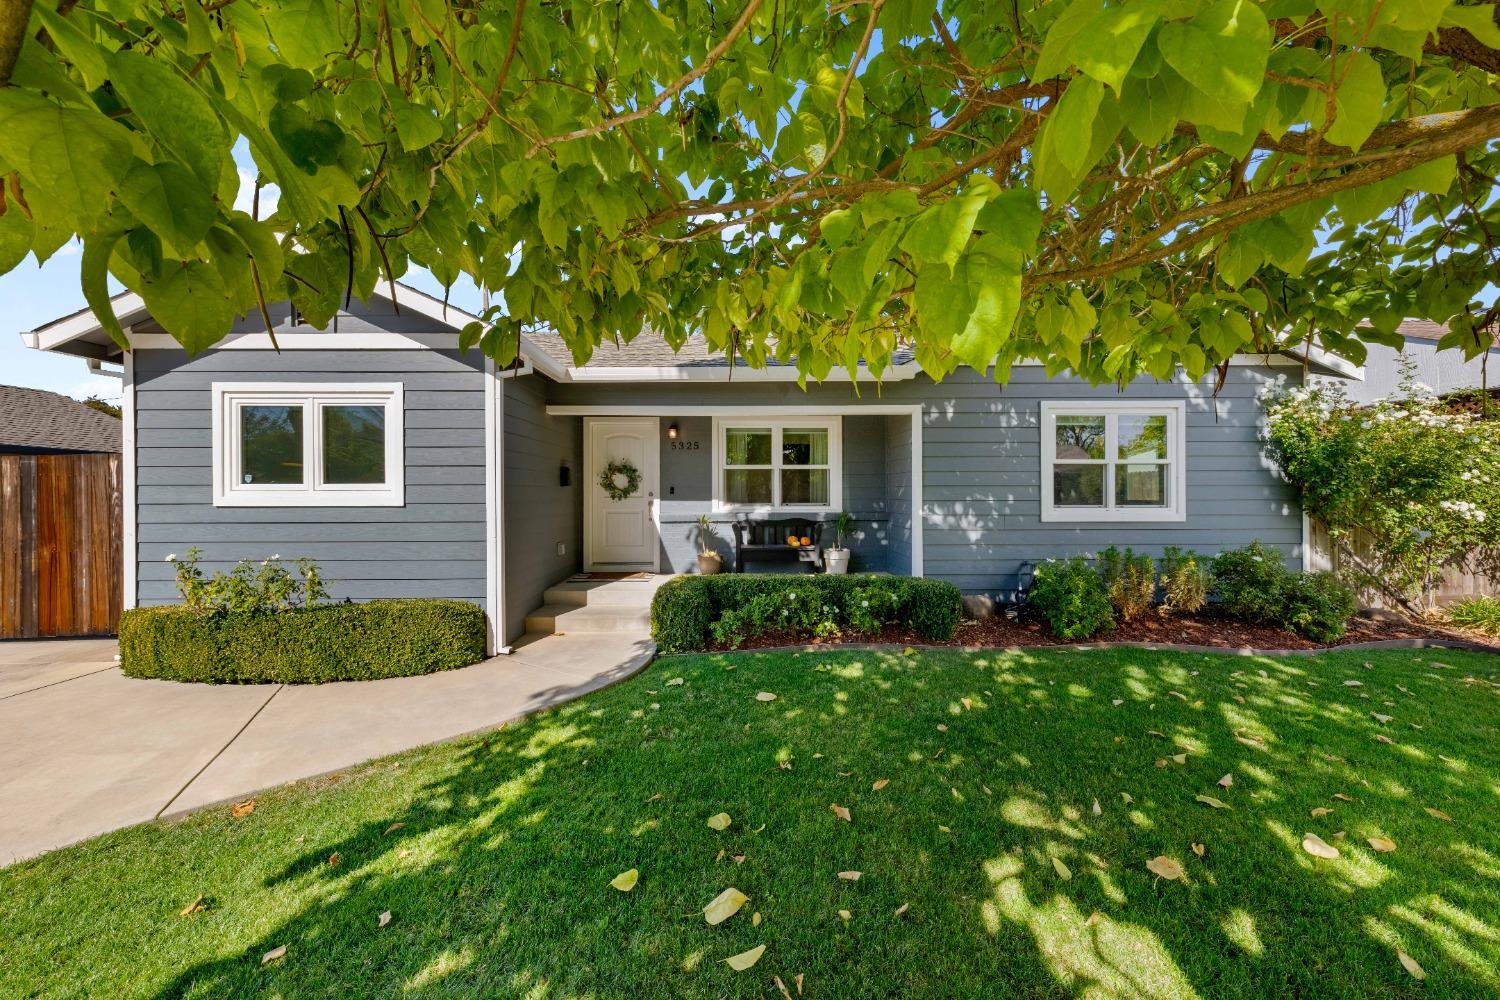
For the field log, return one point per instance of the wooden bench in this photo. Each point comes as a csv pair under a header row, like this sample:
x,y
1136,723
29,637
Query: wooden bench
x,y
764,537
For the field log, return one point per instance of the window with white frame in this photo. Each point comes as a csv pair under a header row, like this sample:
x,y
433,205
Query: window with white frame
x,y
1114,461
300,445
790,463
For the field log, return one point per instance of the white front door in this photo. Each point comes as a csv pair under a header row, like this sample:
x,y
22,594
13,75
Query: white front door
x,y
621,534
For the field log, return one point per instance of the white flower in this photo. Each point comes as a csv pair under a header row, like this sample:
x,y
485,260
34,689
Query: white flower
x,y
171,557
864,604
275,555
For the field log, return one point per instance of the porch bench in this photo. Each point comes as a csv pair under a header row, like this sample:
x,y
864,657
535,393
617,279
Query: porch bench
x,y
761,537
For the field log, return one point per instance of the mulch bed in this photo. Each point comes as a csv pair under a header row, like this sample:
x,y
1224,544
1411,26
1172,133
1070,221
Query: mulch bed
x,y
1205,629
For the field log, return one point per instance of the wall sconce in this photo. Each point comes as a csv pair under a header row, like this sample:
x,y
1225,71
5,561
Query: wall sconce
x,y
671,432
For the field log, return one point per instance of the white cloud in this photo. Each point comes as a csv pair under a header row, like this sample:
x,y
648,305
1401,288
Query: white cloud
x,y
269,195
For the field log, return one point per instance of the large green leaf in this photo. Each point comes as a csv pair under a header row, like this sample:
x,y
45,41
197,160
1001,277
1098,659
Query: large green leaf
x,y
1222,52
170,200
1360,100
1107,45
174,111
65,155
15,238
76,47
940,233
191,303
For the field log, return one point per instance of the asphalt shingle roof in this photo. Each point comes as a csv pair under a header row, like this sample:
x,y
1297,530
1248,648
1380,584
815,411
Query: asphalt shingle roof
x,y
35,418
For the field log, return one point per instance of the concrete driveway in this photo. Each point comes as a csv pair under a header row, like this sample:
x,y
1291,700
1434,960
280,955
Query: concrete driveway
x,y
85,750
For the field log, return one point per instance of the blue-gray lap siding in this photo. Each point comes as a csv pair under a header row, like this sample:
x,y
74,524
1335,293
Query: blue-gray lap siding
x,y
541,512
434,546
981,475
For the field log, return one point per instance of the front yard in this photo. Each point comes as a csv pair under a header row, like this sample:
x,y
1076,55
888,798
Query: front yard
x,y
1004,851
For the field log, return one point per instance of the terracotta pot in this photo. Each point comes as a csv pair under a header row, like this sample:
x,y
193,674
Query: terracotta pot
x,y
709,563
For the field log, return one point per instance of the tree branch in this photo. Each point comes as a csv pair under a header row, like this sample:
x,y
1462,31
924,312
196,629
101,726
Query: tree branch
x,y
666,93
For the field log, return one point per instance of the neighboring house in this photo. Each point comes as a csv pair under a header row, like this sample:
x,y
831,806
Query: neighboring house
x,y
409,469
1444,371
37,422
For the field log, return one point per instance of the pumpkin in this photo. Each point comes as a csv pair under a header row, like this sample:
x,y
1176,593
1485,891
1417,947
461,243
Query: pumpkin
x,y
806,540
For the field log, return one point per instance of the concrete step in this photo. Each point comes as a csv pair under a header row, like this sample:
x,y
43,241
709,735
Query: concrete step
x,y
604,593
573,618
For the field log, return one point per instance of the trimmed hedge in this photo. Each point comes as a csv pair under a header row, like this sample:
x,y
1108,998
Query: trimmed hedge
x,y
328,642
686,607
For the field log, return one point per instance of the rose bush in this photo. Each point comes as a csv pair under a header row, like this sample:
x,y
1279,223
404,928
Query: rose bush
x,y
1406,487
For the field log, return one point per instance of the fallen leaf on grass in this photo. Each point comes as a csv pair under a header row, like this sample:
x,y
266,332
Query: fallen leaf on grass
x,y
968,704
942,728
1161,762
392,829
1061,869
1198,849
943,829
782,987
840,812
723,906
849,876
1165,867
676,682
1383,738
845,914
1127,799
718,821
1342,797
755,919
1180,758
1382,844
196,906
879,784
1382,719
798,981
1320,812
1318,847
745,959
1209,800
1410,965
385,918
1354,684
273,955
1098,810
901,910
334,859
765,696
1092,920
242,809
625,881
1438,814
1226,781
1118,702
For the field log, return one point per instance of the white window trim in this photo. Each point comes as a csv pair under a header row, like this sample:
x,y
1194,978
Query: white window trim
x,y
228,397
1176,508
834,426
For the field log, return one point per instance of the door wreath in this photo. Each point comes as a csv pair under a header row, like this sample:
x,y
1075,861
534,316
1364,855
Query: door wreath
x,y
609,480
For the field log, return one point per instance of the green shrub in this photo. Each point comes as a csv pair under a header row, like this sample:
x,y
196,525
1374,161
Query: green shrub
x,y
1130,580
1185,579
690,611
681,614
329,642
1317,605
1072,597
1479,613
251,587
1249,583
1254,583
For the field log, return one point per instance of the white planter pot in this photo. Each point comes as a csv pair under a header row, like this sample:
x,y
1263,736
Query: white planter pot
x,y
836,561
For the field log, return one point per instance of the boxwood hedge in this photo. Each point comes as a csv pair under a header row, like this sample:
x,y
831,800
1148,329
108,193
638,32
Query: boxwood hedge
x,y
327,642
686,607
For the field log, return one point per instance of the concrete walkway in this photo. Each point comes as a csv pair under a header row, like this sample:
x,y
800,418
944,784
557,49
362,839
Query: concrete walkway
x,y
85,750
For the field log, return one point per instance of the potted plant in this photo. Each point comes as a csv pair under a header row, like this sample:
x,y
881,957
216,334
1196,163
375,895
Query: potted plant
x,y
836,559
709,561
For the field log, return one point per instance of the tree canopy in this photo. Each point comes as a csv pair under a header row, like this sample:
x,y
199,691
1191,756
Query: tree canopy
x,y
1109,187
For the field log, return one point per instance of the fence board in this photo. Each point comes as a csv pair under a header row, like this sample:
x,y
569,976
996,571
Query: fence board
x,y
1455,586
60,545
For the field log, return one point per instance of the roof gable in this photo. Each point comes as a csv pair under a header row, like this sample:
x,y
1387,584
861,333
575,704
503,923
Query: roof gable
x,y
35,418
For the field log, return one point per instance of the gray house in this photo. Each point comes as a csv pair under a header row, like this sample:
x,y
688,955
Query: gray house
x,y
1443,371
407,468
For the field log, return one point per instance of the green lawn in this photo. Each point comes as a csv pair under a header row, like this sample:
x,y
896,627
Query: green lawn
x,y
498,879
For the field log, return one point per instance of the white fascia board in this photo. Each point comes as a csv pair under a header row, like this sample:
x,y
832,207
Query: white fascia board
x,y
737,409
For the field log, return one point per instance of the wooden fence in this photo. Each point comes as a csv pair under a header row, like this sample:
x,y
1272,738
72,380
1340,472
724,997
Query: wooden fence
x,y
1455,585
60,551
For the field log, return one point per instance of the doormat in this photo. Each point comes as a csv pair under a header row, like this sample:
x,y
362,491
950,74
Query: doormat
x,y
612,576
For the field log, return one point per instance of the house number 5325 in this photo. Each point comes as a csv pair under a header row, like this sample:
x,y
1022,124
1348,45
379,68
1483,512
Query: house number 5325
x,y
685,446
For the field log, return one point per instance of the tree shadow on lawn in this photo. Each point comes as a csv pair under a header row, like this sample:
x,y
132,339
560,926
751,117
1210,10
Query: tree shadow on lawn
x,y
498,879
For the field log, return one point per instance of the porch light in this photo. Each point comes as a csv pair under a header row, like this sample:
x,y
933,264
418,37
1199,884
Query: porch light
x,y
672,432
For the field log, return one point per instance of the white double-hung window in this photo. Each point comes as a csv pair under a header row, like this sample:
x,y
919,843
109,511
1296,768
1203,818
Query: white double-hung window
x,y
301,445
1114,461
783,463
